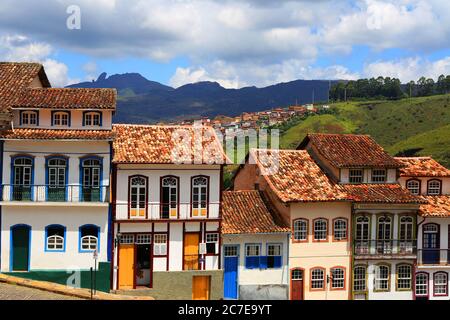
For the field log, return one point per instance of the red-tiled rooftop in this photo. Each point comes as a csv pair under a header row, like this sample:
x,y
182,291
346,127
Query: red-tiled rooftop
x,y
67,98
55,134
295,176
247,212
166,145
422,167
437,206
350,150
380,193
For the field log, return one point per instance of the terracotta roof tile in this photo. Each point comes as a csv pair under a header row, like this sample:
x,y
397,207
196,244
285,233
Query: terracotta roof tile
x,y
67,98
422,167
350,150
437,206
247,212
380,193
296,177
164,144
53,134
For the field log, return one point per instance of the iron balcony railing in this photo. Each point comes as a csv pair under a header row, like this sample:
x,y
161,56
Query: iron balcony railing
x,y
385,247
54,193
433,256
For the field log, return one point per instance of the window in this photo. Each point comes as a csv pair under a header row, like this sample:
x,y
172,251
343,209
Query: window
x,y
406,228
56,179
297,274
22,178
54,238
413,186
169,204
382,278
317,279
127,239
89,238
356,175
300,230
231,251
199,196
320,229
91,176
404,277
337,278
340,229
359,279
362,234
384,228
29,118
160,245
378,175
61,118
145,238
440,284
434,187
421,284
138,196
92,119
252,253
274,256
212,243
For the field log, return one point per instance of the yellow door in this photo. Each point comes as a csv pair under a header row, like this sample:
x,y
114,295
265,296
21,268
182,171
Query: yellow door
x,y
126,266
191,241
200,287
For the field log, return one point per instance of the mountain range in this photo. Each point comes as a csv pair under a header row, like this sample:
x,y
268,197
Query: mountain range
x,y
143,101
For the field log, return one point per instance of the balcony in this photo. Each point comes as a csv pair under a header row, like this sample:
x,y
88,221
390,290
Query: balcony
x,y
374,249
55,194
428,257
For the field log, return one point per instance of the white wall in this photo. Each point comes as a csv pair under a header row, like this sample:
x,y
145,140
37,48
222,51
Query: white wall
x,y
391,175
431,271
424,183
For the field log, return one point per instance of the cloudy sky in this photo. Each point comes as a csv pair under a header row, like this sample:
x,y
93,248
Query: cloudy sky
x,y
236,43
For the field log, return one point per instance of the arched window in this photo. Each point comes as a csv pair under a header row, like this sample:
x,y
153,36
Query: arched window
x,y
61,118
404,277
421,284
359,279
384,240
413,186
138,196
362,232
430,243
317,279
55,238
89,238
407,234
300,230
29,118
56,179
91,172
440,283
320,229
338,278
22,178
169,192
200,187
339,229
92,119
434,187
382,277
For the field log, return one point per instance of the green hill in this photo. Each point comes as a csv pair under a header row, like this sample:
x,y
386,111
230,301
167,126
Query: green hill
x,y
418,126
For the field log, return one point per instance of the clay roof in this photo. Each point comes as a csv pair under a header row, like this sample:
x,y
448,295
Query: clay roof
x,y
56,134
166,144
295,176
67,98
350,150
380,193
437,206
422,167
246,212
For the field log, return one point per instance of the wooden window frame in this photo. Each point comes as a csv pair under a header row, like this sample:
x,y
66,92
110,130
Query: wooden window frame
x,y
350,175
68,113
419,187
129,196
293,230
427,284
397,278
207,196
446,284
346,230
91,112
22,112
388,278
326,231
366,277
440,187
345,278
378,169
324,281
161,197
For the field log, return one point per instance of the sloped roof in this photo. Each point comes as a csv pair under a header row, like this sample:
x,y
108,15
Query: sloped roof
x,y
437,206
55,134
246,212
166,145
422,167
380,193
350,150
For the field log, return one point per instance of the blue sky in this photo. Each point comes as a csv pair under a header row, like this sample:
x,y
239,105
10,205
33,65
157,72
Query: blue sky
x,y
236,43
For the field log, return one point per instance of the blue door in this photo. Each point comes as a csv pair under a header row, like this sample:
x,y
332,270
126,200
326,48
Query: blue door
x,y
231,262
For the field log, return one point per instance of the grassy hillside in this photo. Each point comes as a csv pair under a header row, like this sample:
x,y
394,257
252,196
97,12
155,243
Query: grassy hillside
x,y
418,126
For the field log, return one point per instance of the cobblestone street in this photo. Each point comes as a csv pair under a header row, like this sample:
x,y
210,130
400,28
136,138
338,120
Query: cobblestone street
x,y
13,292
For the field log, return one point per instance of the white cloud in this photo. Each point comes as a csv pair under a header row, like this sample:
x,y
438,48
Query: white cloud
x,y
91,70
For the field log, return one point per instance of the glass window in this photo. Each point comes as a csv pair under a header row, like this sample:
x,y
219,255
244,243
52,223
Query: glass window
x,y
89,237
440,284
29,118
317,279
92,119
404,277
61,119
382,278
169,197
300,230
297,274
55,238
359,279
384,228
145,238
340,229
160,245
231,251
252,253
413,186
356,175
406,228
421,284
337,278
138,196
320,229
212,243
127,239
378,175
274,256
199,196
434,188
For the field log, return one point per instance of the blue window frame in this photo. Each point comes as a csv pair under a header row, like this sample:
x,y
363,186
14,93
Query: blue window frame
x,y
92,118
29,117
252,255
89,238
274,258
55,238
61,118
22,178
56,178
91,177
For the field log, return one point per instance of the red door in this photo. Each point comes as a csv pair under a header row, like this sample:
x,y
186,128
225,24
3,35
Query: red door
x,y
297,284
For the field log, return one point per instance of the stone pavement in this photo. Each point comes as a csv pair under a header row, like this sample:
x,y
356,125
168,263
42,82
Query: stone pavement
x,y
15,292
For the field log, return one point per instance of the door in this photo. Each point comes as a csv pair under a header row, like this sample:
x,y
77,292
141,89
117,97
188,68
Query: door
x,y
431,244
297,284
231,262
191,241
20,248
126,266
200,287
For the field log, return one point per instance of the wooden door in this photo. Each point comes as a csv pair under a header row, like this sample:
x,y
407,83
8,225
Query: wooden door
x,y
200,287
127,266
21,248
191,242
297,284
